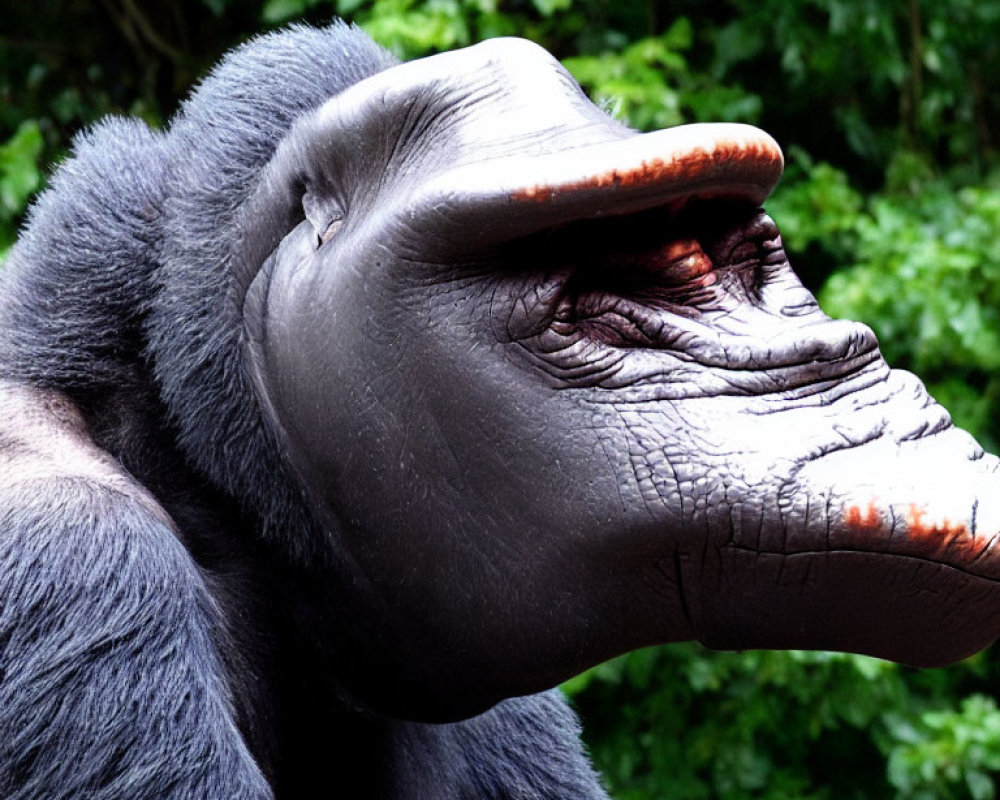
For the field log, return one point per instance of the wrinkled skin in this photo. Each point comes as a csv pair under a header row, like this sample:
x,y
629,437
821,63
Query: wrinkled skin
x,y
578,402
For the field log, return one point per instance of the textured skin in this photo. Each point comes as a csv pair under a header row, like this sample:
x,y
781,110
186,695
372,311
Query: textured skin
x,y
368,401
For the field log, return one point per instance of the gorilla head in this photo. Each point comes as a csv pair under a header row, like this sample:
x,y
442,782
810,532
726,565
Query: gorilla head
x,y
553,392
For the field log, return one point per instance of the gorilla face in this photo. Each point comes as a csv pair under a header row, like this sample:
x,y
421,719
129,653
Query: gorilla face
x,y
556,394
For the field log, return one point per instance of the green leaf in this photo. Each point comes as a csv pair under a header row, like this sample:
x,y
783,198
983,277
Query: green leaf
x,y
980,785
549,7
278,11
217,7
19,172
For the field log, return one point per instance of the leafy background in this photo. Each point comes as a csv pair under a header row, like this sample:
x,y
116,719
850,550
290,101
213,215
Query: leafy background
x,y
890,209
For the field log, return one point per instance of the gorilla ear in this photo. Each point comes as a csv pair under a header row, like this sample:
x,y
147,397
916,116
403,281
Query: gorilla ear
x,y
324,214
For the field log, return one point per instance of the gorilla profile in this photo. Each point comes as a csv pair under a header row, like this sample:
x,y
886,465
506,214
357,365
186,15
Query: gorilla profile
x,y
364,404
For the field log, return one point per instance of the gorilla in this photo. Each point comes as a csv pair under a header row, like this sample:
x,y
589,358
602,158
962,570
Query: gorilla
x,y
353,412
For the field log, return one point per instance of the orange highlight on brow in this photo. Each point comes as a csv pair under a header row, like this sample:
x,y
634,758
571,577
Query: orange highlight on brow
x,y
684,167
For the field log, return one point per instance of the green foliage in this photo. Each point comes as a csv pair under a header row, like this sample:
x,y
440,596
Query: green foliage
x,y
739,725
407,27
650,85
681,721
925,273
817,206
412,28
20,177
946,753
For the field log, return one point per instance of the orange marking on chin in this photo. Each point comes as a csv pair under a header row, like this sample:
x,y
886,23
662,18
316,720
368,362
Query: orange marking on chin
x,y
946,531
868,520
927,534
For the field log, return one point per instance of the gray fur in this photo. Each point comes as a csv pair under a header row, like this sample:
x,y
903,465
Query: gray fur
x,y
249,102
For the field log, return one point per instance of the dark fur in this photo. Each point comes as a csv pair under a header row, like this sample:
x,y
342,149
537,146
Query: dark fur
x,y
152,644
